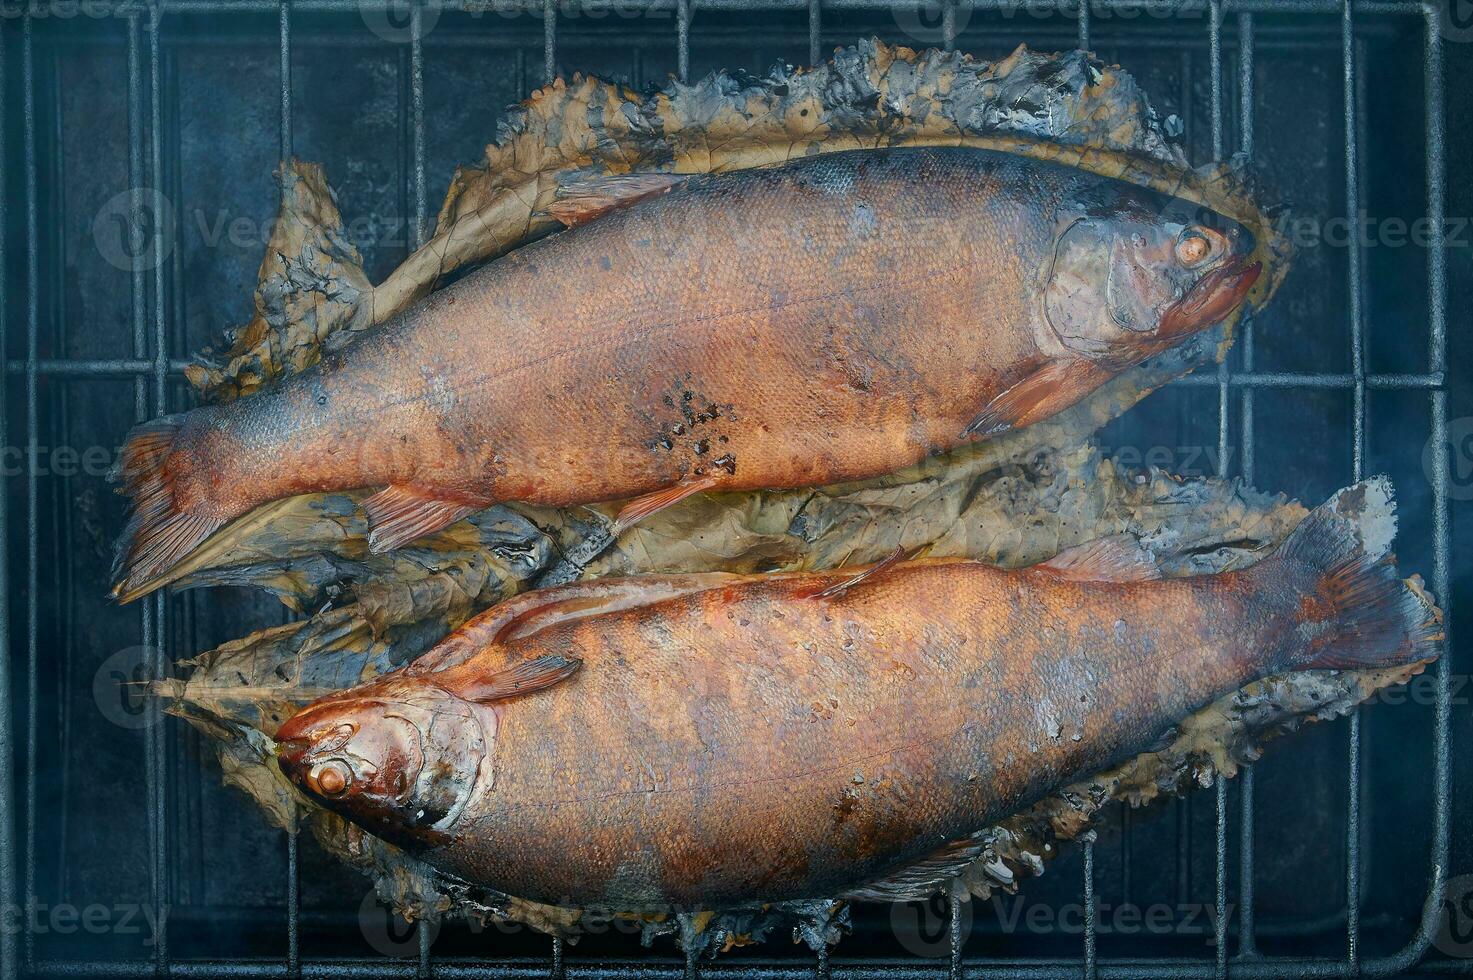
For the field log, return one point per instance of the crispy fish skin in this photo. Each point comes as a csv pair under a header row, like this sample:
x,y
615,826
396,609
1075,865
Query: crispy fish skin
x,y
835,318
759,738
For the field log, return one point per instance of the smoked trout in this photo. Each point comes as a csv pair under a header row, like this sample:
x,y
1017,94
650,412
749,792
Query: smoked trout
x,y
710,740
835,318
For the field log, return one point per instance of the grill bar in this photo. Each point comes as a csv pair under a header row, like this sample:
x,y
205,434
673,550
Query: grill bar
x,y
152,637
1247,940
337,37
156,659
372,969
33,313
549,41
417,105
955,937
284,139
284,34
815,30
1437,362
682,39
1294,380
1358,368
1091,941
1181,7
1214,55
8,944
293,907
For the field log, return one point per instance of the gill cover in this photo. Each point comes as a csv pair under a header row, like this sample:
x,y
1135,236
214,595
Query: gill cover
x,y
402,761
1129,281
404,756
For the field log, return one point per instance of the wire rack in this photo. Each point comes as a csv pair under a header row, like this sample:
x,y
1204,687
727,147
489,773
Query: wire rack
x,y
152,368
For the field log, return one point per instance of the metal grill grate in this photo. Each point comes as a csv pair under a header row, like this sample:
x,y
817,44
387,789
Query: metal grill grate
x,y
151,368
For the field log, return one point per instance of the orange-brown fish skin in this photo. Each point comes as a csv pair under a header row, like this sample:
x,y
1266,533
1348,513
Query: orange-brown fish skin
x,y
750,742
745,743
834,319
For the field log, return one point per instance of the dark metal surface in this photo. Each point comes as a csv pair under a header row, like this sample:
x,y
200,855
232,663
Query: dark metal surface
x,y
157,338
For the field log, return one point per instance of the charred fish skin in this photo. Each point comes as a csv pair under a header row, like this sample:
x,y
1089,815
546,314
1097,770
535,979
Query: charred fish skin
x,y
740,739
835,318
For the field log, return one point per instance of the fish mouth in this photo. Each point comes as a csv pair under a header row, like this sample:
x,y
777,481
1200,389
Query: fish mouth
x,y
1210,301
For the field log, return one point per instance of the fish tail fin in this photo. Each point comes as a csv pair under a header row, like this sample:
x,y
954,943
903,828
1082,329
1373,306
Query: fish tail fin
x,y
1354,610
158,535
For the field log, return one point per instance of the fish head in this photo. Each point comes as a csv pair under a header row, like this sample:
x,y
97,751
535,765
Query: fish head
x,y
1142,273
401,759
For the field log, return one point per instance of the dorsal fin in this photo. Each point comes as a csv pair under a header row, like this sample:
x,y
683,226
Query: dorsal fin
x,y
1117,558
523,678
844,585
581,201
525,614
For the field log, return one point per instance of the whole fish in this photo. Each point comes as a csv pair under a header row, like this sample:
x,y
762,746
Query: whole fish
x,y
711,740
835,318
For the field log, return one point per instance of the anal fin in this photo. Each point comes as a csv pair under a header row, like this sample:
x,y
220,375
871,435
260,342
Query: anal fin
x,y
921,879
650,504
1047,391
844,585
398,515
1117,558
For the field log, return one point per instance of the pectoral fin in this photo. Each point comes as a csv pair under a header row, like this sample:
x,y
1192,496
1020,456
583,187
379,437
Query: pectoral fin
x,y
582,201
523,615
398,515
1047,391
523,678
650,504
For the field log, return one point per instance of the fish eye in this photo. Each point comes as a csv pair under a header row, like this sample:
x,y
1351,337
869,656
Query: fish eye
x,y
331,779
1193,248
